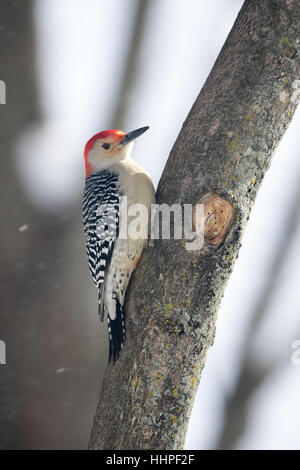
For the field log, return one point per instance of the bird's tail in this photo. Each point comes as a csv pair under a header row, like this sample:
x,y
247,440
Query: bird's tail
x,y
116,331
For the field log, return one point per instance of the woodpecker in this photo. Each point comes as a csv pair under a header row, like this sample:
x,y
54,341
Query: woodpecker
x,y
111,176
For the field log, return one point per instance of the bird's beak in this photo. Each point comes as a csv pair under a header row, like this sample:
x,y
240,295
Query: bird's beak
x,y
133,135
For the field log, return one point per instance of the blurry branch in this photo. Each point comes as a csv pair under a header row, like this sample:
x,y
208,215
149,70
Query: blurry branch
x,y
41,282
130,71
17,47
224,148
252,374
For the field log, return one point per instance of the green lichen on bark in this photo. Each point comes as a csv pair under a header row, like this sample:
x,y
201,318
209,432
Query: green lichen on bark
x,y
225,148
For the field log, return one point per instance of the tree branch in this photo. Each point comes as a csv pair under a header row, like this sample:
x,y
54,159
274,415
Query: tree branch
x,y
224,148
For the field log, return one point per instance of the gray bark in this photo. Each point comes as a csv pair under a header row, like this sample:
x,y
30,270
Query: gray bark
x,y
224,148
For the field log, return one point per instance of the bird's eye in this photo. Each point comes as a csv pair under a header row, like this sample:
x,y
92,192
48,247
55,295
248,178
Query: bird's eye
x,y
106,146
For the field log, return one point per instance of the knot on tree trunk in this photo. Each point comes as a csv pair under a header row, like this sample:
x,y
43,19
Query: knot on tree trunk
x,y
218,217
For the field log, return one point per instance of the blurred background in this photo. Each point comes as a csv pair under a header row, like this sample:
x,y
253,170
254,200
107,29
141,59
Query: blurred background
x,y
73,68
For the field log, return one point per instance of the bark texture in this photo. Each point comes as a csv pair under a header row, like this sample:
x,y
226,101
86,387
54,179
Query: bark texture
x,y
224,148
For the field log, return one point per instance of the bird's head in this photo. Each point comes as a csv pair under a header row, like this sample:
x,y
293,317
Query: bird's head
x,y
109,147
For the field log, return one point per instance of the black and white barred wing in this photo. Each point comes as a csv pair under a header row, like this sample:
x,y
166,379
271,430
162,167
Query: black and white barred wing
x,y
101,226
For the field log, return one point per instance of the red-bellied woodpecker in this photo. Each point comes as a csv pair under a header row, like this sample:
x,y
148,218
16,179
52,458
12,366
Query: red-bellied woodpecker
x,y
111,177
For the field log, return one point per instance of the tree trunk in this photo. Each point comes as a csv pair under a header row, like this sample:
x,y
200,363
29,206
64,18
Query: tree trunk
x,y
222,152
